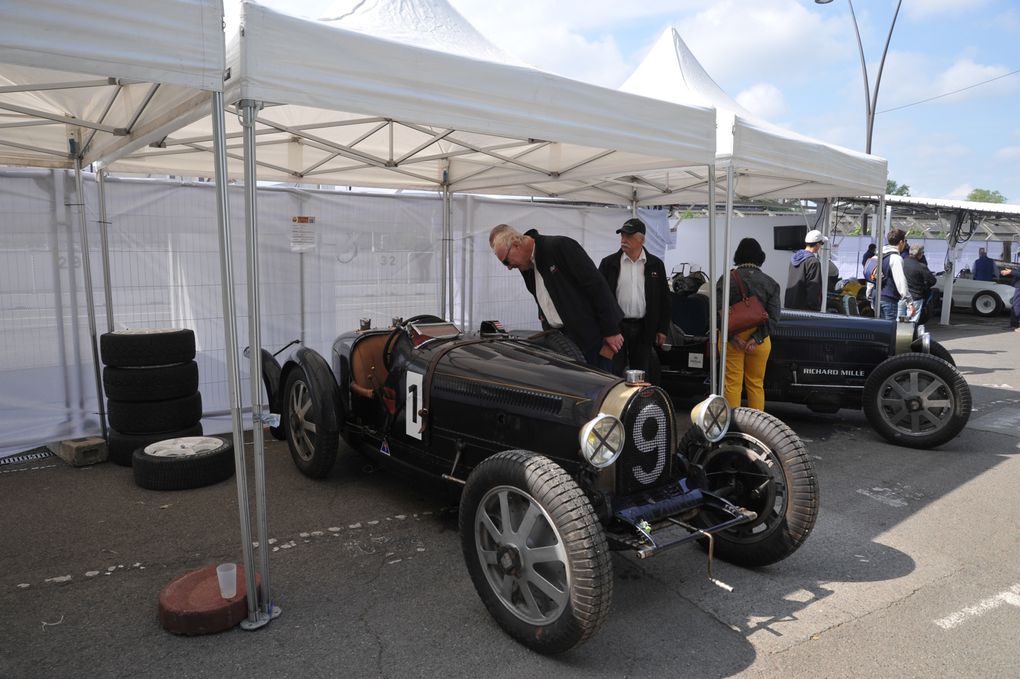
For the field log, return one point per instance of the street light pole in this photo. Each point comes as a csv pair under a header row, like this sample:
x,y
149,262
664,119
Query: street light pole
x,y
870,98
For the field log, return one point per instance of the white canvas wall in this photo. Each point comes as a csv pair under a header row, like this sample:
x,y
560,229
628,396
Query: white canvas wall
x,y
371,256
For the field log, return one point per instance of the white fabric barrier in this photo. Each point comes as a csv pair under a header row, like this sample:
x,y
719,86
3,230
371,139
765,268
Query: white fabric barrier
x,y
365,256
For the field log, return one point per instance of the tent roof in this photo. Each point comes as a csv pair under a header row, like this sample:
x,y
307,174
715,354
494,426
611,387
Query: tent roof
x,y
111,75
768,161
348,108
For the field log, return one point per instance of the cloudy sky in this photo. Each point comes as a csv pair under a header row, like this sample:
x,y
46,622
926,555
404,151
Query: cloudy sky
x,y
796,64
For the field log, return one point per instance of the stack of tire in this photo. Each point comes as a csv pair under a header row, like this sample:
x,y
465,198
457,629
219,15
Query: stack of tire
x,y
151,383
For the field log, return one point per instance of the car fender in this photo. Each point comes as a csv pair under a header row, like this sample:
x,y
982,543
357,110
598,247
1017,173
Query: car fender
x,y
322,384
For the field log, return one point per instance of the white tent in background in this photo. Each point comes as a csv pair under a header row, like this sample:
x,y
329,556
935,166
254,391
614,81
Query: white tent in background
x,y
94,84
85,84
767,161
355,108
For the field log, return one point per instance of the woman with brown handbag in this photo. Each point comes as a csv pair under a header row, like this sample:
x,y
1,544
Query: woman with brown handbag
x,y
748,349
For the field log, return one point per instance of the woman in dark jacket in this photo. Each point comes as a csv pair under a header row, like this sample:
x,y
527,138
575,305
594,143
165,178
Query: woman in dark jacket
x,y
748,351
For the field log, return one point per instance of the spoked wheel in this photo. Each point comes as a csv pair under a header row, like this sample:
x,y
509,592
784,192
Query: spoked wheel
x,y
535,551
313,414
917,400
761,465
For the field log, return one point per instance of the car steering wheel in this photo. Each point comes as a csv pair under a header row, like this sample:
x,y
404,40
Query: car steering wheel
x,y
402,330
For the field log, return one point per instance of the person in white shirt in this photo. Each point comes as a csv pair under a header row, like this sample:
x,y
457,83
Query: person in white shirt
x,y
638,278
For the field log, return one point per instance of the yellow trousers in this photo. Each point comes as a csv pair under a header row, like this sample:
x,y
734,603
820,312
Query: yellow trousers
x,y
746,369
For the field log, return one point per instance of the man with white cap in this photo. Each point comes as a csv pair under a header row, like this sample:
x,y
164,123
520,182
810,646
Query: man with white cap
x,y
804,282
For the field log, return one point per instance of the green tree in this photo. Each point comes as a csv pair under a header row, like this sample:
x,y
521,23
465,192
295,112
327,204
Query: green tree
x,y
894,189
986,196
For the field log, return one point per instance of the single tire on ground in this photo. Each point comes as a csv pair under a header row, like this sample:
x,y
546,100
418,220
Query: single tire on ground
x,y
917,400
131,417
761,465
151,384
122,446
535,551
183,463
144,347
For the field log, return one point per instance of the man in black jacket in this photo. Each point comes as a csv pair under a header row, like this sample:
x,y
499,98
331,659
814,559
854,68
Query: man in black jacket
x,y
919,282
639,280
570,293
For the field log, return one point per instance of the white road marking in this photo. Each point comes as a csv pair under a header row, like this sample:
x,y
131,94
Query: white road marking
x,y
882,495
1011,596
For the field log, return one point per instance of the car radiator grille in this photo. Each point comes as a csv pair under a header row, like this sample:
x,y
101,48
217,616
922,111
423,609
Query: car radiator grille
x,y
646,457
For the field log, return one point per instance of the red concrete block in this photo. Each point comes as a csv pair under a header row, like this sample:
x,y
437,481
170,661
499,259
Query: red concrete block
x,y
192,604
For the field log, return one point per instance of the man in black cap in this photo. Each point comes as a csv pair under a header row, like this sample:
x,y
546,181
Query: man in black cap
x,y
639,280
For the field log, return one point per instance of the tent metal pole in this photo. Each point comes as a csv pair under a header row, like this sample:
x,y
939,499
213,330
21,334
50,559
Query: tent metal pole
x,y
950,269
230,346
727,248
103,223
249,110
713,360
446,257
882,228
448,228
90,301
826,252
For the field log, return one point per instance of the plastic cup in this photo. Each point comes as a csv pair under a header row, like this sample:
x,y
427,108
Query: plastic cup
x,y
226,574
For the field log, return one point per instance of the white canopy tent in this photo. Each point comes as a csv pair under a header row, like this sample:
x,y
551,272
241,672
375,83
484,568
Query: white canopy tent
x,y
341,107
756,160
767,161
80,87
344,107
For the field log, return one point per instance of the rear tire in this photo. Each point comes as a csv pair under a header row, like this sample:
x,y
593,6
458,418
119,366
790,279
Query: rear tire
x,y
313,432
917,400
987,304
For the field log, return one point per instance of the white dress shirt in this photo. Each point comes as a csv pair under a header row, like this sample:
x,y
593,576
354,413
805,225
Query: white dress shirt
x,y
545,303
630,288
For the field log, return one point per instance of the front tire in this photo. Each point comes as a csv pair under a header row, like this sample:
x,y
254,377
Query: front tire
x,y
761,465
312,426
535,551
917,400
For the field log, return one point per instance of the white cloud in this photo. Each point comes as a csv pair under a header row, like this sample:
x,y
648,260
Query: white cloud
x,y
930,8
763,99
738,40
960,192
1008,153
965,72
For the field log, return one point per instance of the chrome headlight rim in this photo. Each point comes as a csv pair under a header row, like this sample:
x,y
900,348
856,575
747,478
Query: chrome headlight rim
x,y
602,440
712,418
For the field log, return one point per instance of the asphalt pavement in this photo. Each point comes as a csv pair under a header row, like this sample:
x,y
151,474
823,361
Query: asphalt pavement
x,y
913,569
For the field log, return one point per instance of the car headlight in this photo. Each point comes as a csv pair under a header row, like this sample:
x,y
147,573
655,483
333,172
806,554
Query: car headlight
x,y
712,417
602,440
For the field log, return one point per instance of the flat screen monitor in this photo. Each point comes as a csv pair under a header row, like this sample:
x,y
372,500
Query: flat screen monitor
x,y
788,237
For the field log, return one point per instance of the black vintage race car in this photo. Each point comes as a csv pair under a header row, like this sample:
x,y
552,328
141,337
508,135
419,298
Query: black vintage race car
x,y
906,382
558,463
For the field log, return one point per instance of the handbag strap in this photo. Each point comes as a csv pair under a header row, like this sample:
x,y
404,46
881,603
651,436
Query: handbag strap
x,y
740,284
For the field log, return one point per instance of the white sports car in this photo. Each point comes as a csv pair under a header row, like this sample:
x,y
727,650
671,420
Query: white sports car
x,y
985,298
